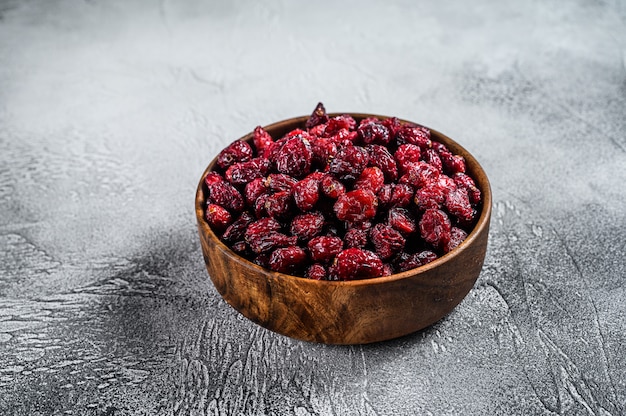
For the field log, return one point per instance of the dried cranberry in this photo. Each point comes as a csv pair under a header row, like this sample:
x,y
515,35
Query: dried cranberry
x,y
307,226
374,133
393,125
407,155
261,140
458,205
402,220
316,271
431,157
318,116
371,178
294,156
243,172
465,181
323,151
386,240
237,151
401,195
431,196
219,218
288,259
348,163
280,182
263,236
414,135
342,122
380,157
332,187
279,205
356,206
435,228
212,178
356,237
254,190
324,248
356,263
416,260
420,174
236,230
226,195
457,236
384,196
306,193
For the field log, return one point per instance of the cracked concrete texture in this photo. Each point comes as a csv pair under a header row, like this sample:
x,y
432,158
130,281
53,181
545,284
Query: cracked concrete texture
x,y
110,111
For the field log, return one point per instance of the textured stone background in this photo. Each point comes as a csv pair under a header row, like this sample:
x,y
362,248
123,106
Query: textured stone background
x,y
110,110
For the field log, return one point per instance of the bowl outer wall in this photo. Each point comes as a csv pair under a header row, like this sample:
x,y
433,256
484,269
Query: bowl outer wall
x,y
352,312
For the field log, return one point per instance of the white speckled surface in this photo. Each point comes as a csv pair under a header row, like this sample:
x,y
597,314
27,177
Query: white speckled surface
x,y
110,111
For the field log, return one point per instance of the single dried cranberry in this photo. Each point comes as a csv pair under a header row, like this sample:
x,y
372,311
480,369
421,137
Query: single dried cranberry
x,y
453,163
316,271
243,172
237,151
236,230
317,131
420,174
402,220
307,226
226,195
217,217
289,260
342,122
431,157
463,180
393,125
324,248
379,156
356,263
407,155
414,135
294,156
435,228
387,269
212,178
416,260
349,162
458,205
306,193
384,196
386,240
356,206
318,116
254,190
355,237
457,236
240,247
259,205
371,178
332,187
429,197
401,195
262,259
280,182
344,137
323,151
373,133
261,140
279,205
263,236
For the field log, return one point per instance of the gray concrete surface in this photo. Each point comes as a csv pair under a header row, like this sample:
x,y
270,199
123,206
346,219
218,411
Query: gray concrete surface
x,y
110,110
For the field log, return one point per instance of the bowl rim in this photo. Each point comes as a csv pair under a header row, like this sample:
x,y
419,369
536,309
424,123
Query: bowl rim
x,y
479,227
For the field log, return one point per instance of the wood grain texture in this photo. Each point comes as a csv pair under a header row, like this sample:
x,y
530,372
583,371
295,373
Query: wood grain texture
x,y
355,312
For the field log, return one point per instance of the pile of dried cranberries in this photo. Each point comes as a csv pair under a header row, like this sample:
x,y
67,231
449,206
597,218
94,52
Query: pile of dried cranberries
x,y
341,200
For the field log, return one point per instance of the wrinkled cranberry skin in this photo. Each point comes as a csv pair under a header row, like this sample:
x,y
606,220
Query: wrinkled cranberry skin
x,y
254,190
318,116
212,178
380,157
384,196
279,205
243,172
323,151
261,139
371,178
294,156
307,226
348,163
435,228
458,205
356,206
219,218
237,151
263,236
332,187
402,220
431,157
356,237
407,155
401,195
280,182
306,193
393,125
356,263
374,133
430,197
414,135
324,248
457,236
463,180
336,124
288,260
420,174
227,196
236,231
316,271
416,260
386,240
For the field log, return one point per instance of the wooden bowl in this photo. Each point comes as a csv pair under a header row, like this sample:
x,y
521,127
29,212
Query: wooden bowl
x,y
348,312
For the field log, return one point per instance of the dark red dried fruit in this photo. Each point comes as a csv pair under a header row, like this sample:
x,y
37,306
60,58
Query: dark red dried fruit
x,y
457,236
318,116
348,163
356,206
374,133
458,205
316,271
356,237
386,240
212,178
289,260
254,190
435,228
324,248
393,125
402,220
279,205
384,196
227,196
371,178
332,187
237,151
356,263
261,139
263,236
219,218
401,195
294,156
414,135
280,182
420,174
338,123
307,226
323,151
465,181
431,157
306,193
429,197
416,260
236,230
406,156
381,157
243,172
